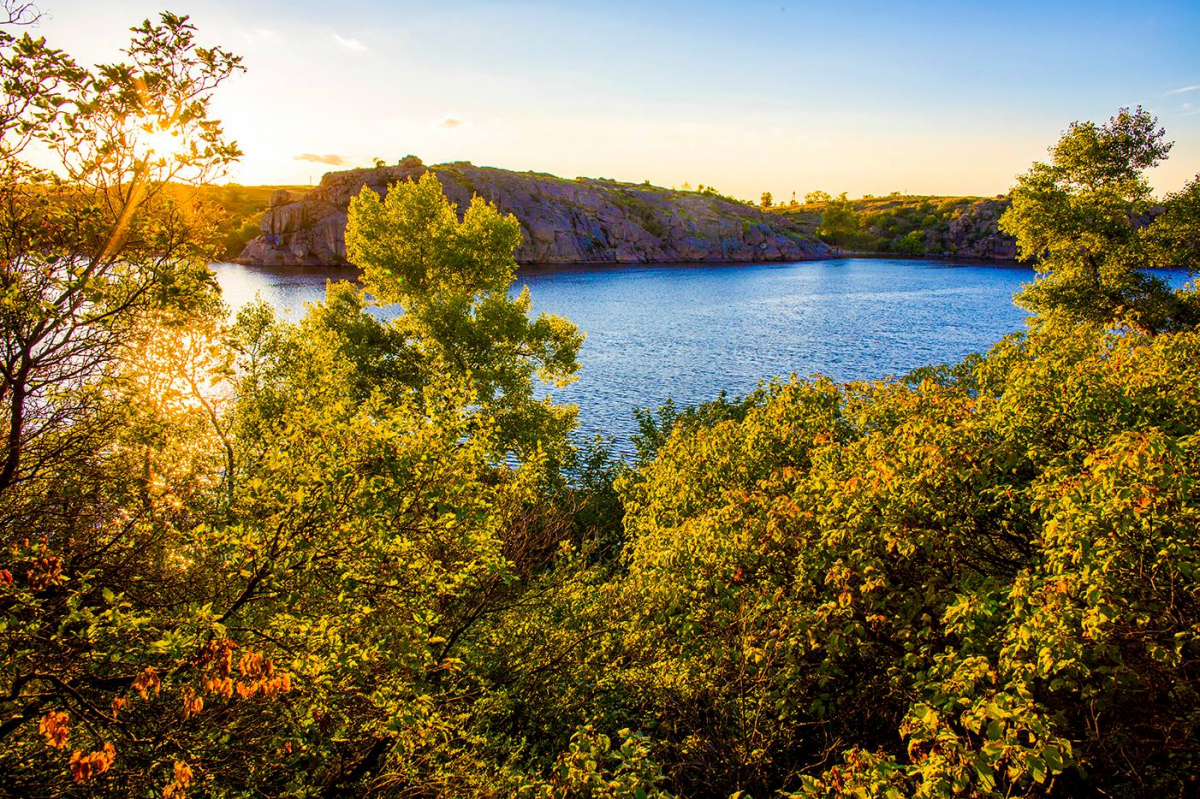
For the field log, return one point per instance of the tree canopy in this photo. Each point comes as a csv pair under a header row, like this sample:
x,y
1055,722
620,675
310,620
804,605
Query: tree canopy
x,y
1090,223
452,278
839,223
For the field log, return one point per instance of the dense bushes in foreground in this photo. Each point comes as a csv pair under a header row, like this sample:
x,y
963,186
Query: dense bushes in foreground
x,y
984,582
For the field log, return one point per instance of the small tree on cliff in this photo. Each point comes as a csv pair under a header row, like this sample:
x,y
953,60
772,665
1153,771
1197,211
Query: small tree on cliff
x,y
1089,220
767,199
452,279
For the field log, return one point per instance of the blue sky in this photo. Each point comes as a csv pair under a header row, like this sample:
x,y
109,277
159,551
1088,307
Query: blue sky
x,y
864,97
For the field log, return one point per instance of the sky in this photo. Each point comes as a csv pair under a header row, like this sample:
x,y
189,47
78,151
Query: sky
x,y
948,98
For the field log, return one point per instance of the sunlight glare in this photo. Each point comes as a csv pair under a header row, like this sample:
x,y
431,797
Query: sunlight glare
x,y
158,141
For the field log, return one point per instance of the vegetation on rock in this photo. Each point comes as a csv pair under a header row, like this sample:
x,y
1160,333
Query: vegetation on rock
x,y
907,225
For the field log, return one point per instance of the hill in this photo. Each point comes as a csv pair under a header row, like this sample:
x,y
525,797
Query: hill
x,y
964,227
243,208
584,220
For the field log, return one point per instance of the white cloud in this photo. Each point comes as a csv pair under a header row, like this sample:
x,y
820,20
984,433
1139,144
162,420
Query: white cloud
x,y
256,35
351,44
449,123
1184,89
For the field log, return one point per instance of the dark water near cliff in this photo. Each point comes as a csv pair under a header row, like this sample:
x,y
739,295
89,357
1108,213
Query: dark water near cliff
x,y
687,332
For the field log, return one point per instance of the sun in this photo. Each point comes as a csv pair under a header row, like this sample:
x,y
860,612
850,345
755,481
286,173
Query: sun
x,y
156,141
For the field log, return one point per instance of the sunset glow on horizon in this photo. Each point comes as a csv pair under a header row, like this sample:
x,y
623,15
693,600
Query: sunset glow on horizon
x,y
870,98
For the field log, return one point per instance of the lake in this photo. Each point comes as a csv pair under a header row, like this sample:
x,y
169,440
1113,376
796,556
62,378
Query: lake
x,y
687,332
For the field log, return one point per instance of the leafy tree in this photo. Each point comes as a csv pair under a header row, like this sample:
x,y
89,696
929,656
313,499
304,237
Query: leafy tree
x,y
817,197
287,536
1091,224
95,249
767,199
913,243
839,222
452,278
101,254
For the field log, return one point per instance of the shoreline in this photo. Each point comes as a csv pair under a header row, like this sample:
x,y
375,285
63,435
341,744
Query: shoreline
x,y
837,255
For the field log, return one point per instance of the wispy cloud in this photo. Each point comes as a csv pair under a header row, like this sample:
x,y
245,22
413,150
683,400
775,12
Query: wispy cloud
x,y
332,160
351,44
256,35
1184,89
449,123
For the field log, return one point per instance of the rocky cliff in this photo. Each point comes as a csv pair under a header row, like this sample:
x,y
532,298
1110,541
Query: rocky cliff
x,y
975,233
584,220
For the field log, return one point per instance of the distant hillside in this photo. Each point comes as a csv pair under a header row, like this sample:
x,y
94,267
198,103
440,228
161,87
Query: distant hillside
x,y
964,227
244,207
584,220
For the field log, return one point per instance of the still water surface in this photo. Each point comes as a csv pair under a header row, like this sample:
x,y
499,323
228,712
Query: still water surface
x,y
687,332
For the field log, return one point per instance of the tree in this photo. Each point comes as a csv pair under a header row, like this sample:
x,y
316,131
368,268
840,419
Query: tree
x,y
452,278
100,254
1090,223
94,249
817,197
767,199
207,518
839,222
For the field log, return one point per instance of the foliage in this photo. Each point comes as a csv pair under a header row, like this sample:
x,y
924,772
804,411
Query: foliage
x,y
839,223
94,251
1089,219
451,278
910,225
592,767
655,427
957,562
242,208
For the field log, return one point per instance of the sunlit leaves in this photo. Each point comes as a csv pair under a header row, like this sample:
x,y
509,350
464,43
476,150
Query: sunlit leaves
x,y
984,565
451,278
1089,222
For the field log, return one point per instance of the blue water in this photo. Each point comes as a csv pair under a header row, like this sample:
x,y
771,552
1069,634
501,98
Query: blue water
x,y
687,332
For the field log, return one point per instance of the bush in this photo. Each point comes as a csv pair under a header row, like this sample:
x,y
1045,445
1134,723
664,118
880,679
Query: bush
x,y
933,573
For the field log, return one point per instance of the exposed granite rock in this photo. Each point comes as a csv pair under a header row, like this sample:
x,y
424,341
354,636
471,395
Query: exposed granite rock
x,y
563,221
975,233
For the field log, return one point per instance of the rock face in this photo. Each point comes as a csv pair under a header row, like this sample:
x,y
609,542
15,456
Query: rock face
x,y
975,233
583,220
